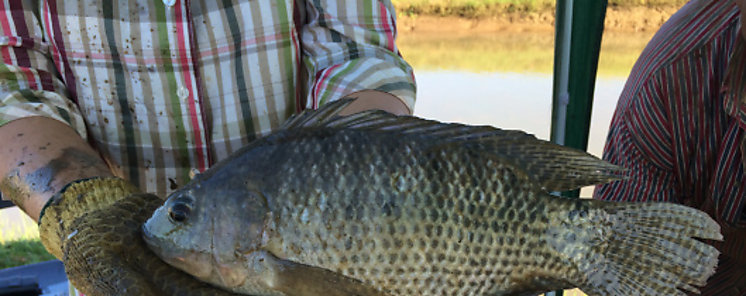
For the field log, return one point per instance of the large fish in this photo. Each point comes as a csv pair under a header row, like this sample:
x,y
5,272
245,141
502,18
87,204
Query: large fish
x,y
375,204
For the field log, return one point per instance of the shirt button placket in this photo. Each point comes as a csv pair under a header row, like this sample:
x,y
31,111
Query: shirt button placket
x,y
187,89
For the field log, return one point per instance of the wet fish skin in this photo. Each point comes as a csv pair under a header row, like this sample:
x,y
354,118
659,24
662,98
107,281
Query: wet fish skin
x,y
414,207
419,221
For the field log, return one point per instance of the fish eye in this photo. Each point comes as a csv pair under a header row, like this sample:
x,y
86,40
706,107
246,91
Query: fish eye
x,y
179,212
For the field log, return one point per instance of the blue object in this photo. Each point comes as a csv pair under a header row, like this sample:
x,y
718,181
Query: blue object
x,y
44,278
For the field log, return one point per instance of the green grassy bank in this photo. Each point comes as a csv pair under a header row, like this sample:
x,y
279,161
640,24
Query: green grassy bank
x,y
19,240
487,8
21,252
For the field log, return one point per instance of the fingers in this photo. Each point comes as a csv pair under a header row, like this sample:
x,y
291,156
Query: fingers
x,y
107,255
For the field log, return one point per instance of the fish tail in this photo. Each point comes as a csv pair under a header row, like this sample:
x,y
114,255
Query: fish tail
x,y
648,249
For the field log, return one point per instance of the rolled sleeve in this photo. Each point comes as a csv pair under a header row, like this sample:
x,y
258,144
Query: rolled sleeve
x,y
29,82
350,46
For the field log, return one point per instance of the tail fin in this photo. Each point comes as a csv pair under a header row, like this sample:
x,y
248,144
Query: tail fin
x,y
650,250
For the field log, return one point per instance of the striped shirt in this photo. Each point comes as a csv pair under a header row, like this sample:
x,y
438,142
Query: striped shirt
x,y
163,87
680,123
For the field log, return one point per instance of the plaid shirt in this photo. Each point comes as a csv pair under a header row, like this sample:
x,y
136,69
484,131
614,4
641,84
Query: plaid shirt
x,y
160,87
680,125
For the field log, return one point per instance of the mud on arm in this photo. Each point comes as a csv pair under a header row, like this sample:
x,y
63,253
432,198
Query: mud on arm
x,y
38,157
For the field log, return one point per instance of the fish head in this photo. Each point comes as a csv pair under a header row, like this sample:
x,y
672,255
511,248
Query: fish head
x,y
178,233
208,228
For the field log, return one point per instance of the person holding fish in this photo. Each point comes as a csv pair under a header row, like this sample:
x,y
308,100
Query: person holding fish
x,y
105,101
111,98
680,127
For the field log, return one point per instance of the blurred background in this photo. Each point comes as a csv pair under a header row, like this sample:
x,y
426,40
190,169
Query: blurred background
x,y
476,62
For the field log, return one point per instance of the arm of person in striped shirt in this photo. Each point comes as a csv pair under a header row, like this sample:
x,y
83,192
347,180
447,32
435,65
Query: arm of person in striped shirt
x,y
350,49
640,144
677,130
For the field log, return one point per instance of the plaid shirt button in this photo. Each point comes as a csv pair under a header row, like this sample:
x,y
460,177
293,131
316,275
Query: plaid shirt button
x,y
182,92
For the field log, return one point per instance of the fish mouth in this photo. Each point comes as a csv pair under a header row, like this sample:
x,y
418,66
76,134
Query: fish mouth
x,y
155,244
187,261
151,241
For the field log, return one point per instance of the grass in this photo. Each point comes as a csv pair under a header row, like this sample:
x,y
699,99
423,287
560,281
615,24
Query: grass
x,y
21,252
19,240
469,8
488,8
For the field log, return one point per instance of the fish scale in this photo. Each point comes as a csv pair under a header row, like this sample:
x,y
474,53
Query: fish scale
x,y
377,204
447,245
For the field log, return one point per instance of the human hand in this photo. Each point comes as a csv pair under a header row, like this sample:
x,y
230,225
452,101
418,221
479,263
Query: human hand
x,y
94,225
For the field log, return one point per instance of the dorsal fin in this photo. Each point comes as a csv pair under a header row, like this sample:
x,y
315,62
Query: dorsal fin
x,y
553,167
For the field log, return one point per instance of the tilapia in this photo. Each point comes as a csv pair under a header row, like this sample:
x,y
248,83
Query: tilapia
x,y
377,204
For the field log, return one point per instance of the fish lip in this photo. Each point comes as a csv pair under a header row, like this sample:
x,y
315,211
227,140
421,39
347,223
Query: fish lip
x,y
156,244
178,259
151,240
147,236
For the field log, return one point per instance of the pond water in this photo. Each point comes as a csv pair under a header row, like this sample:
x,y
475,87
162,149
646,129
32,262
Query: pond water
x,y
509,101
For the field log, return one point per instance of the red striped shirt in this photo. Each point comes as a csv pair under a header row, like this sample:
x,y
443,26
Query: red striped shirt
x,y
680,126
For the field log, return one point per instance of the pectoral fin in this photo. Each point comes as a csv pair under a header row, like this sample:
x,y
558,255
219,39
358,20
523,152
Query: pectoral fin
x,y
297,279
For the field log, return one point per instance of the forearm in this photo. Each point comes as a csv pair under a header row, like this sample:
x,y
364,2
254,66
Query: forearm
x,y
375,100
38,157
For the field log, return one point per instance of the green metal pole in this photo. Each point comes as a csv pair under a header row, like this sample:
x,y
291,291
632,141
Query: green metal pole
x,y
575,68
579,27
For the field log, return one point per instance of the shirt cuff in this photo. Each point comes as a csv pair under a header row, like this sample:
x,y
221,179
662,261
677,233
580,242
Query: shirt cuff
x,y
30,103
351,76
